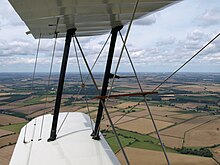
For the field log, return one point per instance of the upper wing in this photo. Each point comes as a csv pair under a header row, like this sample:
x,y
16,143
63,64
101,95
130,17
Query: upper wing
x,y
89,17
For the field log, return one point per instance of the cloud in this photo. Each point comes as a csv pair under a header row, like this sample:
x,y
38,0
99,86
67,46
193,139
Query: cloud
x,y
194,40
195,35
167,41
212,59
149,20
174,52
210,17
213,48
8,16
16,47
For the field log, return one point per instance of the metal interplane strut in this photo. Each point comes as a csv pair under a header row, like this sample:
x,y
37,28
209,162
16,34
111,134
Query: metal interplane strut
x,y
69,36
107,76
86,79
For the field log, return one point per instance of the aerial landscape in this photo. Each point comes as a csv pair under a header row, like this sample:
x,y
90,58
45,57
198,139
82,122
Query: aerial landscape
x,y
139,79
186,111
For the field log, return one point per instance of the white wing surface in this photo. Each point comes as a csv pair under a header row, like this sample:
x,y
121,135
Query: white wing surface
x,y
73,145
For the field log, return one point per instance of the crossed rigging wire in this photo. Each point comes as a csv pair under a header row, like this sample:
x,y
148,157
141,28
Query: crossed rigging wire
x,y
79,91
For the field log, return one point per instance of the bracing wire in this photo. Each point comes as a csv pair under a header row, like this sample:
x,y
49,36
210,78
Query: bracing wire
x,y
82,87
176,69
156,88
86,78
187,61
98,56
146,103
33,77
120,118
123,46
103,104
83,84
122,50
48,84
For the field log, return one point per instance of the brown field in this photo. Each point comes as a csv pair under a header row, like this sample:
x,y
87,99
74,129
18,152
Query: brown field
x,y
40,112
6,119
4,98
33,108
143,125
125,105
115,114
167,98
199,88
5,132
5,154
216,153
194,88
170,141
8,139
6,87
7,107
180,129
143,113
204,135
213,88
69,108
164,111
93,115
164,108
186,116
5,94
143,157
168,119
79,109
188,105
110,110
66,96
120,118
50,110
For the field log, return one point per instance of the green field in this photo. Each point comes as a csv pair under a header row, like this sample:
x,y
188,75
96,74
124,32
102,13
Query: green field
x,y
135,140
13,127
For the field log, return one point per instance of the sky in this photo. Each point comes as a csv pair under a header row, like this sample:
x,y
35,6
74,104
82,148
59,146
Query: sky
x,y
160,42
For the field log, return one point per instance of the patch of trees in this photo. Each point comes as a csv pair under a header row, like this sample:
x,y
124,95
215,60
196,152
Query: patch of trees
x,y
128,111
205,152
16,97
12,113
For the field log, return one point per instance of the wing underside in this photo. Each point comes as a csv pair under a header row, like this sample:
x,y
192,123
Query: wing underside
x,y
89,17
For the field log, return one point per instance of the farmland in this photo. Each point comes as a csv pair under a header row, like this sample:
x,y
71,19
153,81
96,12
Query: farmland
x,y
186,112
138,156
